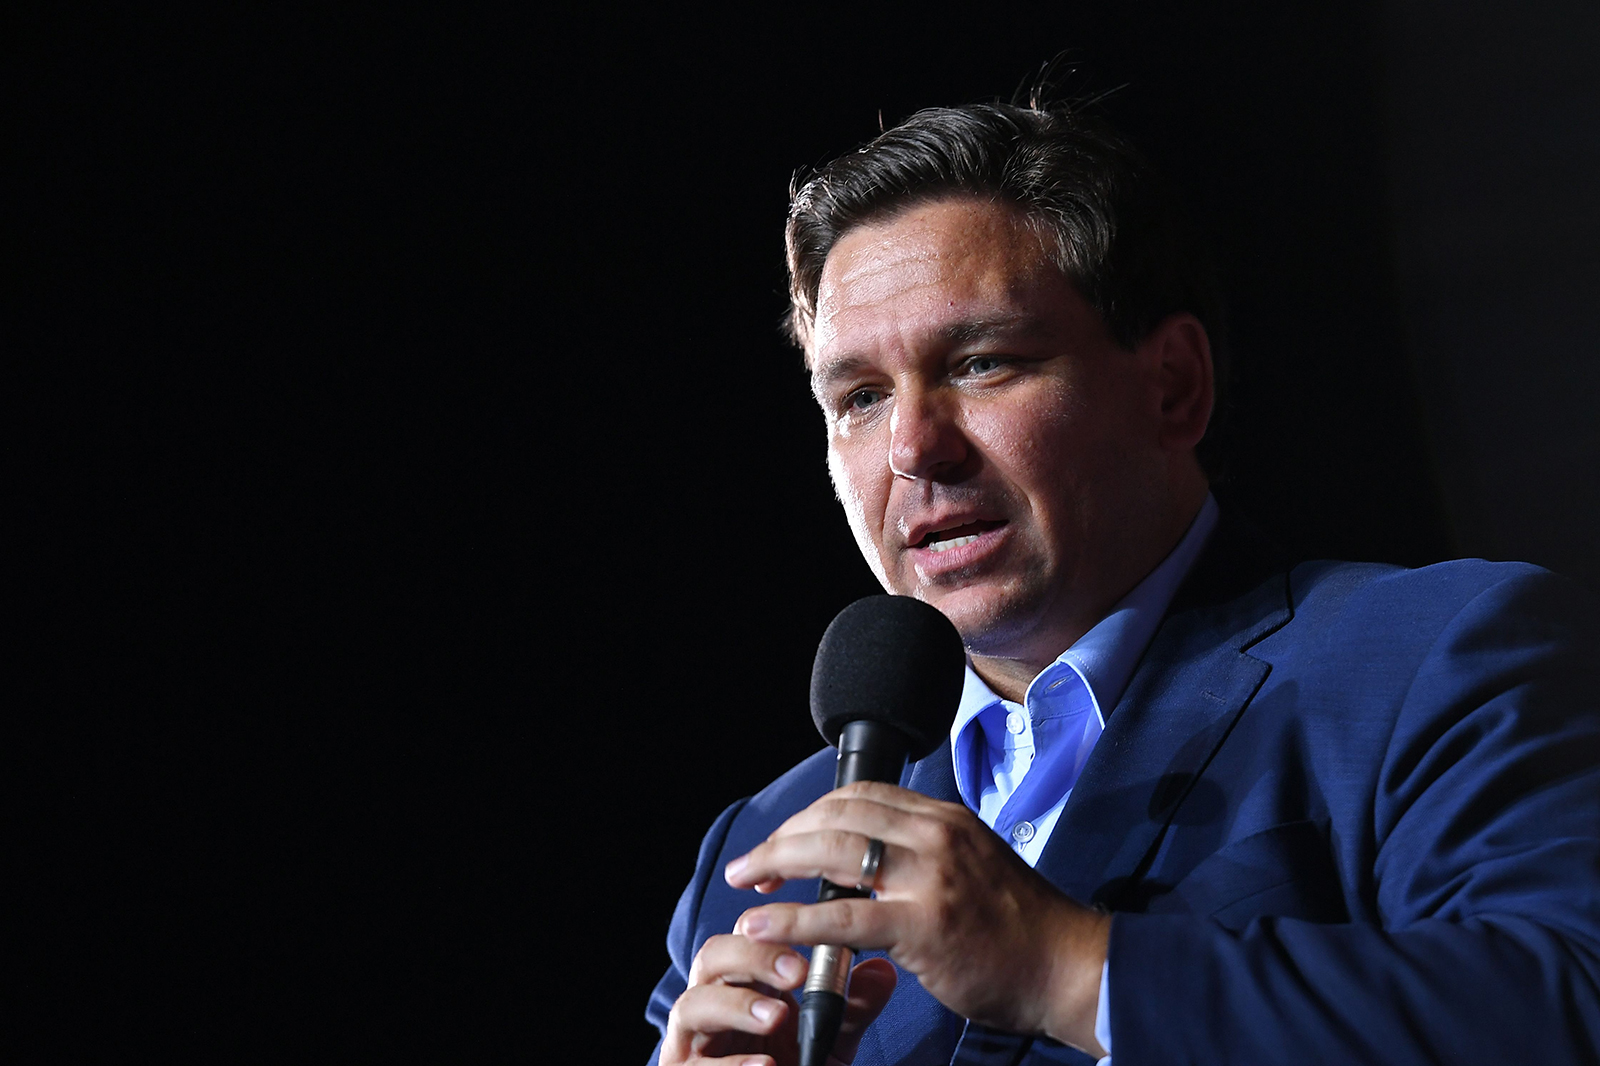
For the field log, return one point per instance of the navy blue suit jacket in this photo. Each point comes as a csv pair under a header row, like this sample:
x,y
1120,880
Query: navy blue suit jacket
x,y
1343,813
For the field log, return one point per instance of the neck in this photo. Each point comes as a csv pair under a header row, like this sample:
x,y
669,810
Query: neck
x,y
1009,675
1009,678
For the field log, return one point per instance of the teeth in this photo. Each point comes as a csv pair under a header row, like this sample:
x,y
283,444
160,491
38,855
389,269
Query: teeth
x,y
946,545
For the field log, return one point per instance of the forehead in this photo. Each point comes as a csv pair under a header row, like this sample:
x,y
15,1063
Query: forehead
x,y
930,264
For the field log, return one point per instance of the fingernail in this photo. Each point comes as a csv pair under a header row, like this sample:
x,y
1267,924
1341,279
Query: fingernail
x,y
789,967
736,867
764,1009
756,924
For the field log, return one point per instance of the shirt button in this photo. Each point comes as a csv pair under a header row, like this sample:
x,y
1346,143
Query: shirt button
x,y
1015,723
1022,832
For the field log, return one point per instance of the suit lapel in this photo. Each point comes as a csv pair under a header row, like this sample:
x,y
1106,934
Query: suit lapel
x,y
915,1027
1190,687
1155,748
934,777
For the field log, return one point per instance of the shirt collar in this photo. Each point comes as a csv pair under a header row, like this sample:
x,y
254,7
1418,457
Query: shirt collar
x,y
1106,655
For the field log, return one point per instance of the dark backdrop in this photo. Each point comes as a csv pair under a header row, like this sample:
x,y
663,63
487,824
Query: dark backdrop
x,y
423,528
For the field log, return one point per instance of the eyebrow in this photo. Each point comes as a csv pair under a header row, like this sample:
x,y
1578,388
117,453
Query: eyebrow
x,y
835,372
955,335
972,330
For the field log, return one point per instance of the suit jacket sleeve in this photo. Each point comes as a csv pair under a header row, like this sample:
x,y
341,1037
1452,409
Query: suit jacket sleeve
x,y
1486,836
681,945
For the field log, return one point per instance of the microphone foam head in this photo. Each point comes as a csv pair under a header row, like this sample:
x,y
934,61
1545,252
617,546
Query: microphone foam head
x,y
889,659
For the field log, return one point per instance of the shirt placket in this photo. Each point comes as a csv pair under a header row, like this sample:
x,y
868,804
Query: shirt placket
x,y
1051,703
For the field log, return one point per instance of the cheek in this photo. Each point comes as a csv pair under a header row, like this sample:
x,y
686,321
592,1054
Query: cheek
x,y
852,490
1037,443
863,502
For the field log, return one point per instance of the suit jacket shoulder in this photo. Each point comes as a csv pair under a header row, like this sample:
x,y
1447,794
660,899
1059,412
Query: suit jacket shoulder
x,y
1388,846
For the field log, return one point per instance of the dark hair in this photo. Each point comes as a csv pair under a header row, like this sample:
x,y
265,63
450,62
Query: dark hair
x,y
1106,219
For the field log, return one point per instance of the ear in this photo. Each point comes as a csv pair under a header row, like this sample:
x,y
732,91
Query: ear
x,y
1181,353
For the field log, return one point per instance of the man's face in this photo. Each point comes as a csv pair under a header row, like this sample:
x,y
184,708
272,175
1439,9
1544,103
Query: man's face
x,y
997,454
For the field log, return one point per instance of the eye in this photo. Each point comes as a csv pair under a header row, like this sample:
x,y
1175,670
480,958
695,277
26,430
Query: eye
x,y
983,364
862,399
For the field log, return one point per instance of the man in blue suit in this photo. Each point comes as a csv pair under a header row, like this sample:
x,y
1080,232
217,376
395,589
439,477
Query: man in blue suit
x,y
1198,806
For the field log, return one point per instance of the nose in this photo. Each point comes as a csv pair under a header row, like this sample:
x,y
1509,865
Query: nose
x,y
925,438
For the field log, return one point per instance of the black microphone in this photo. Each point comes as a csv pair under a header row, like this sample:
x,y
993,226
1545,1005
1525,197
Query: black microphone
x,y
884,688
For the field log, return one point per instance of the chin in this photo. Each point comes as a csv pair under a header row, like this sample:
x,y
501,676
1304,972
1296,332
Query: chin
x,y
991,622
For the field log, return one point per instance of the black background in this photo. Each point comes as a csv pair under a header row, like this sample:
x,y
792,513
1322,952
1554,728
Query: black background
x,y
422,529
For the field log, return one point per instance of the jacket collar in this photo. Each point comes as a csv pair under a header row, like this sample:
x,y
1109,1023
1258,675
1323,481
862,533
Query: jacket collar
x,y
1188,690
1191,685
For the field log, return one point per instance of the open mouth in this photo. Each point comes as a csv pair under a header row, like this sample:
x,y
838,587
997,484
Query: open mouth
x,y
942,540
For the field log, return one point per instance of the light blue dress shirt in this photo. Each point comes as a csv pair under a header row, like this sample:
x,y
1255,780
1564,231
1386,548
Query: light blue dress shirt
x,y
1016,764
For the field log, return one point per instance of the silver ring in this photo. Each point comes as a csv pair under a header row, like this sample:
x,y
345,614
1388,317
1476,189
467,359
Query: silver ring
x,y
869,865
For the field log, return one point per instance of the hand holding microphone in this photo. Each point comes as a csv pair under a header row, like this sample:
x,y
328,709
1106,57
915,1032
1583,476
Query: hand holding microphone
x,y
984,934
885,685
884,688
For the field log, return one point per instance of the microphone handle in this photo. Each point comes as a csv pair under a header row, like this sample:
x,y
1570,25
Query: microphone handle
x,y
868,751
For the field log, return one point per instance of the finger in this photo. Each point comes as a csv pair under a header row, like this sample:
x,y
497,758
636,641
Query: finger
x,y
695,1055
832,853
901,799
869,806
738,960
714,1008
853,813
909,820
872,982
861,923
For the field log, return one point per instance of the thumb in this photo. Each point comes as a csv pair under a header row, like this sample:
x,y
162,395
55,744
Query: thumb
x,y
871,984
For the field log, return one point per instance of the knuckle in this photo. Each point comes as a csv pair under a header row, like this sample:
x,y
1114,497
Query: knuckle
x,y
716,956
856,791
832,810
697,970
853,915
675,1019
841,840
943,836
